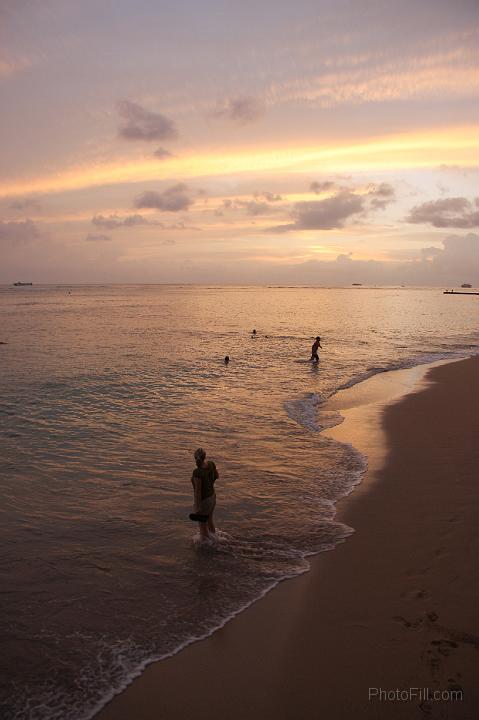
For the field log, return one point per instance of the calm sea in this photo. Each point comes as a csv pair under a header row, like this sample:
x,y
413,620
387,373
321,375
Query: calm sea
x,y
105,392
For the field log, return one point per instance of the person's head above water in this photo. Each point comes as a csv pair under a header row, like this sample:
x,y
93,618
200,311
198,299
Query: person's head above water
x,y
254,332
200,456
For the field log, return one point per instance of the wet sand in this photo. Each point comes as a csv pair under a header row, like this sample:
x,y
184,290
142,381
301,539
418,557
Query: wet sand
x,y
395,607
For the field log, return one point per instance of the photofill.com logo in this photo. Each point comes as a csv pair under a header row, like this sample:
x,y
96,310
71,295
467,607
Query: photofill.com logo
x,y
414,694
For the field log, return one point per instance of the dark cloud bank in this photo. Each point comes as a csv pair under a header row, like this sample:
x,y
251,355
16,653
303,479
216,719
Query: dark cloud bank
x,y
455,262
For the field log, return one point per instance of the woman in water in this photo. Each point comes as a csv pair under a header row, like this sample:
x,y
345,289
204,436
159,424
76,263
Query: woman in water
x,y
203,480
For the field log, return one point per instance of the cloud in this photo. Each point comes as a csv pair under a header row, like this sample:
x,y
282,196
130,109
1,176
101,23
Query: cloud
x,y
141,124
253,207
329,213
458,258
443,189
28,203
18,232
242,110
381,195
457,169
97,238
181,225
334,211
178,197
268,196
256,206
456,212
162,154
112,222
379,79
320,187
324,214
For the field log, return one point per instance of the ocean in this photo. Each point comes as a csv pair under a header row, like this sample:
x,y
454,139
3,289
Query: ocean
x,y
105,393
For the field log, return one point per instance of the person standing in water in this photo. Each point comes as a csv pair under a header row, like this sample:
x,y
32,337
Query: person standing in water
x,y
314,350
203,481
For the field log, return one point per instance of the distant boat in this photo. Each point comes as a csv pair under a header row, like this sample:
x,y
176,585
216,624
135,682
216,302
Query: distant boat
x,y
357,284
20,284
466,285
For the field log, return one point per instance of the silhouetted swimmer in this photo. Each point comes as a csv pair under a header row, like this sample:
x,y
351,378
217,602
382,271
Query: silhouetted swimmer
x,y
314,350
253,332
227,359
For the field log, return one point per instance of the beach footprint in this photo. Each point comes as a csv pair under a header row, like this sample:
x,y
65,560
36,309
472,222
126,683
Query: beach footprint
x,y
443,646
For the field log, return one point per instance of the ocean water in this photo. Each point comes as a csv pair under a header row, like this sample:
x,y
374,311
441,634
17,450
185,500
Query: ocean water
x,y
105,392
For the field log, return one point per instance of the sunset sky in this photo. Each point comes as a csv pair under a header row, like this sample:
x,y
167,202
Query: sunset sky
x,y
307,142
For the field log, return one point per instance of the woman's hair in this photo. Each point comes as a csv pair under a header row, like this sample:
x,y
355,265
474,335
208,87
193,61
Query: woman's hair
x,y
200,456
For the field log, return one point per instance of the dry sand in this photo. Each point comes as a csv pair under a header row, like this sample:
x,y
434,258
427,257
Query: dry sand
x,y
394,607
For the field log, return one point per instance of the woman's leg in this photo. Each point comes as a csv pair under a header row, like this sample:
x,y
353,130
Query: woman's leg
x,y
210,523
204,535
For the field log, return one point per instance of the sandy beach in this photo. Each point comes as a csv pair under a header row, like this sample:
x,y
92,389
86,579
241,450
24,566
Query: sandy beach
x,y
392,609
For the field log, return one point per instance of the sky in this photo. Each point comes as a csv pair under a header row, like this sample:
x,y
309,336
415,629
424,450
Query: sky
x,y
315,142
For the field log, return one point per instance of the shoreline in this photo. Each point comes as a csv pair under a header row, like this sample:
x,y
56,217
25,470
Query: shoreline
x,y
259,642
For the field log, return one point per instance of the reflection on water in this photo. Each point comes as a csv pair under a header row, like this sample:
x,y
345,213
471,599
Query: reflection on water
x,y
105,393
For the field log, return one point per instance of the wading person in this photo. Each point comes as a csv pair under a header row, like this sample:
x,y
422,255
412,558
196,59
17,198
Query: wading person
x,y
314,350
203,480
